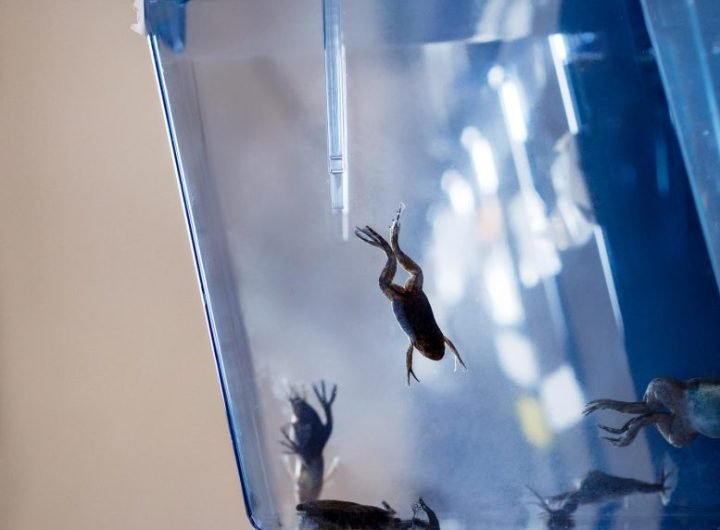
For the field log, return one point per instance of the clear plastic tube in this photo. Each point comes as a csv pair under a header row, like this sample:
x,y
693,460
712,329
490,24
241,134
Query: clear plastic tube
x,y
336,105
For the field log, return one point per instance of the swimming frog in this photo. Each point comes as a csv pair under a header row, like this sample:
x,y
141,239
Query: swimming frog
x,y
681,410
409,303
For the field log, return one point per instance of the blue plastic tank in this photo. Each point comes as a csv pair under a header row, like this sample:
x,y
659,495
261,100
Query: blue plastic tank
x,y
557,163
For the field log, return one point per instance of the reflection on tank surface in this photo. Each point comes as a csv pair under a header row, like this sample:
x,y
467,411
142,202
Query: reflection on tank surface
x,y
410,305
597,487
344,515
679,409
306,440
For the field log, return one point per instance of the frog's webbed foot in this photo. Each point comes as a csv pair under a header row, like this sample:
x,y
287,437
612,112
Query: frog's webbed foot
x,y
395,224
321,394
629,431
628,407
371,237
455,353
288,443
408,364
395,227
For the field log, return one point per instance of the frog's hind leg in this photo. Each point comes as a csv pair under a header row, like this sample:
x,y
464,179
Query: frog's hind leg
x,y
676,430
455,353
415,282
666,393
628,407
371,237
408,364
628,432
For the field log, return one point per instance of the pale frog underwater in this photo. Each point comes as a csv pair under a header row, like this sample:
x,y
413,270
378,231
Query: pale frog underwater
x,y
681,410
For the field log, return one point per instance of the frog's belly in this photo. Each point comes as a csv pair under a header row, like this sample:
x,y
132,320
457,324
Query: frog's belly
x,y
416,319
704,409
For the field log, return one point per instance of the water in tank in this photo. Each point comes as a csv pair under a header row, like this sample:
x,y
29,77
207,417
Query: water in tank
x,y
459,259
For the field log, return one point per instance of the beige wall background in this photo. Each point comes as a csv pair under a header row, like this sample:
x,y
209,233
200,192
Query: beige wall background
x,y
110,412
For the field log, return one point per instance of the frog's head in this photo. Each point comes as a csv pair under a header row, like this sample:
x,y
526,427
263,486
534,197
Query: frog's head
x,y
302,410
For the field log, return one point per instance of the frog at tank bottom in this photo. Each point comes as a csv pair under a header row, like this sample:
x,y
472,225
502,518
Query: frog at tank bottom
x,y
344,515
306,438
597,487
680,410
409,302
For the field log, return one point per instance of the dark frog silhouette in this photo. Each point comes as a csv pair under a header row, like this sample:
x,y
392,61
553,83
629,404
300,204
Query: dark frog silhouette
x,y
344,515
597,487
410,305
306,440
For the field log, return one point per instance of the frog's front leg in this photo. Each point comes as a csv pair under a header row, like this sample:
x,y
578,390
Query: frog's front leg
x,y
408,364
371,237
455,353
325,401
288,443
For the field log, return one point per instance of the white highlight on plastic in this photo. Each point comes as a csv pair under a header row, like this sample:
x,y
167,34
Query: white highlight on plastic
x,y
482,159
607,274
495,76
513,110
562,398
517,358
502,288
559,52
459,192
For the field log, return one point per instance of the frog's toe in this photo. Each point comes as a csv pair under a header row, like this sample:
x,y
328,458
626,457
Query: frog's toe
x,y
612,430
592,406
370,236
617,441
411,373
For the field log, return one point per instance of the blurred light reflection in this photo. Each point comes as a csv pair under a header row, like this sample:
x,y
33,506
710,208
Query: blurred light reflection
x,y
513,110
482,159
495,76
562,398
460,193
608,275
538,256
517,358
502,288
532,421
571,218
449,256
559,52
